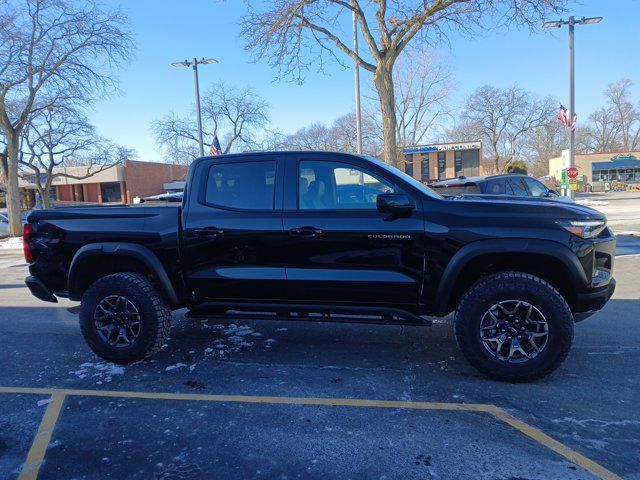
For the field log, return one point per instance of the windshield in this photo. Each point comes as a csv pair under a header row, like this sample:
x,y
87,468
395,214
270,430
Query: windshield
x,y
407,178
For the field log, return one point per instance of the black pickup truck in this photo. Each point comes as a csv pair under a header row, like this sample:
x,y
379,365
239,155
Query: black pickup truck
x,y
329,237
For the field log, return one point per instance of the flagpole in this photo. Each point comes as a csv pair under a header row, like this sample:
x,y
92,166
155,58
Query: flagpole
x,y
572,100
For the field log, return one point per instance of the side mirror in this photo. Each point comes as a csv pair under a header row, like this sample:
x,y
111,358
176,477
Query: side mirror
x,y
396,204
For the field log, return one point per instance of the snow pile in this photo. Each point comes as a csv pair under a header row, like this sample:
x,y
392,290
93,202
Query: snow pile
x,y
591,202
103,372
11,243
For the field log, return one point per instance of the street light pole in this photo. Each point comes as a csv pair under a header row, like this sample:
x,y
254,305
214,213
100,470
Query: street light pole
x,y
357,85
572,98
196,84
572,22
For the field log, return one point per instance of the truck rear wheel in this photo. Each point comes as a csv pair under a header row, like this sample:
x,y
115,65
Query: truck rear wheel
x,y
514,326
123,318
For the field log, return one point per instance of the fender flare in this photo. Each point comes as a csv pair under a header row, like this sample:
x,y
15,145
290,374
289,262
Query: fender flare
x,y
462,257
139,252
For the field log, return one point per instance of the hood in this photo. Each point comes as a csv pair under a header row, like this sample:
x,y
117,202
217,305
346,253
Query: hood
x,y
529,206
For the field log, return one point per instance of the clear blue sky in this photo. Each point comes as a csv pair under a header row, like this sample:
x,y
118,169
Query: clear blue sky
x,y
168,31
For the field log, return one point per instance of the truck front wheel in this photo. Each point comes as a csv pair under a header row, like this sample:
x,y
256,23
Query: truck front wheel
x,y
123,318
514,326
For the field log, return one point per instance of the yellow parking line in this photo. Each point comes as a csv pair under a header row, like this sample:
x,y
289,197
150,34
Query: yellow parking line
x,y
38,449
553,444
43,437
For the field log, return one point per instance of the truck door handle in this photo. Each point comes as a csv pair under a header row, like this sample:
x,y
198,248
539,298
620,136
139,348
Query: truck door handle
x,y
305,231
207,232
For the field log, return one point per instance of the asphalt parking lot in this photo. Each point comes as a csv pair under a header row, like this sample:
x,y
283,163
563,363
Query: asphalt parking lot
x,y
267,399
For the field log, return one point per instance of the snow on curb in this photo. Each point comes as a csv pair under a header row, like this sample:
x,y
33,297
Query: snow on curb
x,y
592,202
12,243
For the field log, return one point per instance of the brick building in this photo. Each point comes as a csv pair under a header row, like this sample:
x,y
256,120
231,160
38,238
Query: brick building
x,y
118,184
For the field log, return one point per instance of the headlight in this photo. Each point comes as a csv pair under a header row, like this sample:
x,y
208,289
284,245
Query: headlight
x,y
583,228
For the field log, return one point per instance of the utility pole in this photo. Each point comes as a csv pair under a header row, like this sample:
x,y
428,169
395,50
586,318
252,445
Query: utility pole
x,y
572,22
196,84
357,85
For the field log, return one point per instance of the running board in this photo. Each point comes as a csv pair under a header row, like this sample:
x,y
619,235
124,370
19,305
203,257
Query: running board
x,y
306,312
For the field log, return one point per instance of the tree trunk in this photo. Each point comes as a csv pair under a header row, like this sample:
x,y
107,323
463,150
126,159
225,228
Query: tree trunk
x,y
13,191
383,80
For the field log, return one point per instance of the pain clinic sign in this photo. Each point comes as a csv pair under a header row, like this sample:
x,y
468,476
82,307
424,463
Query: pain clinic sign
x,y
444,147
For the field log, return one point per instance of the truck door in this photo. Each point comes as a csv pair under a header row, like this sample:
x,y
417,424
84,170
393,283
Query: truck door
x,y
340,248
232,229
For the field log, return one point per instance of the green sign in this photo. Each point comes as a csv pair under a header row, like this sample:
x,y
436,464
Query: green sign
x,y
564,178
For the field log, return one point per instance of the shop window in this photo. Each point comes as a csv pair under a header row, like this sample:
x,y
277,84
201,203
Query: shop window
x,y
111,192
458,163
442,165
408,165
424,167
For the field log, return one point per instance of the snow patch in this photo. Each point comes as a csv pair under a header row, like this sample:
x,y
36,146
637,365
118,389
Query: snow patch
x,y
174,367
44,402
12,243
102,372
591,202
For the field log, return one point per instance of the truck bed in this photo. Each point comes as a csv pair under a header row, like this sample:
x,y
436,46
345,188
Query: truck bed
x,y
59,233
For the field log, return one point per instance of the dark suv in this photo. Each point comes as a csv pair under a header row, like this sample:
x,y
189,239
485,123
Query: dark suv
x,y
328,237
509,184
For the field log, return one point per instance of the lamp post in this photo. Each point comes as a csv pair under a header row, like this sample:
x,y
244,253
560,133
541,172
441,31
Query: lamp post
x,y
572,22
194,63
357,85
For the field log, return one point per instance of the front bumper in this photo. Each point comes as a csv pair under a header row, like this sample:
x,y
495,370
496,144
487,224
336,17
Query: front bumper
x,y
588,303
40,290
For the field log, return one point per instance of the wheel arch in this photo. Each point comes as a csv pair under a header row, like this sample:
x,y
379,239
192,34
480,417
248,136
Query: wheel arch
x,y
548,260
96,260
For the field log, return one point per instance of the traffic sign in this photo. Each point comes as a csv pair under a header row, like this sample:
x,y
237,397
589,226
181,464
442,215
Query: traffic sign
x,y
573,184
564,178
572,172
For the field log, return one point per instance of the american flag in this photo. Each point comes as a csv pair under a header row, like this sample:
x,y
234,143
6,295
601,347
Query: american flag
x,y
215,146
563,116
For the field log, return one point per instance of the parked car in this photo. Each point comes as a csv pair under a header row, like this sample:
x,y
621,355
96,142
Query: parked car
x,y
509,184
281,233
4,225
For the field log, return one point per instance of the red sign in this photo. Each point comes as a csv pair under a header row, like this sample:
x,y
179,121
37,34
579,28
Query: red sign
x,y
572,172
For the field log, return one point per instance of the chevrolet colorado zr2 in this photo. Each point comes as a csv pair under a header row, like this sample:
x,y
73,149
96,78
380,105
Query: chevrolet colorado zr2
x,y
320,236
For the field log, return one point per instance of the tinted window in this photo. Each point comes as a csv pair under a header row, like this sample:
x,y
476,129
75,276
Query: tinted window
x,y
519,187
332,185
243,185
468,188
537,189
498,187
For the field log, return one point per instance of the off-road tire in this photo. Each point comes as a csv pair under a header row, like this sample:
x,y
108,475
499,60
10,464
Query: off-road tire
x,y
504,286
155,316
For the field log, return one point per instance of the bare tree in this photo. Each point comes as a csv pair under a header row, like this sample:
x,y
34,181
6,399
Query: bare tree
x,y
423,83
339,137
501,118
237,116
61,136
296,34
603,131
543,143
625,113
52,47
